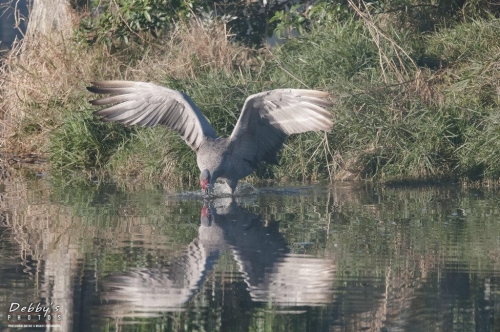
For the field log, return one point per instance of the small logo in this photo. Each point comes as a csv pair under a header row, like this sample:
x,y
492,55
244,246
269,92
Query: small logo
x,y
34,315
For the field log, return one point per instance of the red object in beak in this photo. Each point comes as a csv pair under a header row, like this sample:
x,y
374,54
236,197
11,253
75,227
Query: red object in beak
x,y
205,212
204,184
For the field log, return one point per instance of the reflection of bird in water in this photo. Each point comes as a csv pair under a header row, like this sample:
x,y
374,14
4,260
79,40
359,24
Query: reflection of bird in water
x,y
145,291
271,272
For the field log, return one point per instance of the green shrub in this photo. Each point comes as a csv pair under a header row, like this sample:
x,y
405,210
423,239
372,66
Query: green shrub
x,y
120,20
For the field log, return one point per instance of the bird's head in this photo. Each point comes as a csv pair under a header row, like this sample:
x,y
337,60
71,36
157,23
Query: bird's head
x,y
205,180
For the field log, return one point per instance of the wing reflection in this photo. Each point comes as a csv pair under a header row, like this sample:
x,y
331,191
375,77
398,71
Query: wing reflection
x,y
145,291
271,272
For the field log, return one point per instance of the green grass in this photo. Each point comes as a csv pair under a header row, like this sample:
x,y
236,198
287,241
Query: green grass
x,y
428,110
84,145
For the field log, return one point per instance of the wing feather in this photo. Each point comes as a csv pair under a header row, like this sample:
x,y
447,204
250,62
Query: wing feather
x,y
118,108
268,118
148,105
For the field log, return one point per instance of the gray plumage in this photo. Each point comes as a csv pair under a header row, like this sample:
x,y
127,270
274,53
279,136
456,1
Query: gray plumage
x,y
266,120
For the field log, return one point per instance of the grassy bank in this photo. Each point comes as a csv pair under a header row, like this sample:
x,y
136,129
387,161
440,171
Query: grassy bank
x,y
408,106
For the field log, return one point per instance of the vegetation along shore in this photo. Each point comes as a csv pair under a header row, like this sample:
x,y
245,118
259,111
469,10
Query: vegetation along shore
x,y
415,86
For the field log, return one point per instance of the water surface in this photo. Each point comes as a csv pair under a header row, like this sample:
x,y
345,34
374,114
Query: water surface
x,y
13,21
317,258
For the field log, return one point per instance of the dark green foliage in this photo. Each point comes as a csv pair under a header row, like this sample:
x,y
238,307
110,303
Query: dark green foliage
x,y
415,15
121,20
116,22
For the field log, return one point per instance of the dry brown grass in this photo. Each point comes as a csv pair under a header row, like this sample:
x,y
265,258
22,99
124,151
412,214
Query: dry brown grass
x,y
43,76
191,47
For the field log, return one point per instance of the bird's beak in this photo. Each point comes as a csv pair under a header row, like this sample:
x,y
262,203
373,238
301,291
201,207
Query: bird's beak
x,y
206,216
205,186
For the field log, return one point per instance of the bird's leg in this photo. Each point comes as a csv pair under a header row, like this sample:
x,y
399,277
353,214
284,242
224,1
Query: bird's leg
x,y
232,185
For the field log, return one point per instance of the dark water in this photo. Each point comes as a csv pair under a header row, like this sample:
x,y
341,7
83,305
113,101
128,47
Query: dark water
x,y
13,21
341,258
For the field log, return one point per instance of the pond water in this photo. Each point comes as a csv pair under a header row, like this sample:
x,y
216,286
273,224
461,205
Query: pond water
x,y
345,257
13,21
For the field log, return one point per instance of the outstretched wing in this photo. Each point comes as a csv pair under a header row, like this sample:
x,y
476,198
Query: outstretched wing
x,y
268,118
148,104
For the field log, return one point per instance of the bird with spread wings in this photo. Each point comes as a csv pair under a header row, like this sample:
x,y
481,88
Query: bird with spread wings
x,y
266,120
